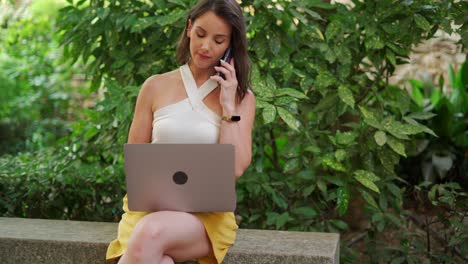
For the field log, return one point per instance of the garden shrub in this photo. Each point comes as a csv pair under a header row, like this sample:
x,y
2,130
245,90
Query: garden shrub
x,y
37,96
329,129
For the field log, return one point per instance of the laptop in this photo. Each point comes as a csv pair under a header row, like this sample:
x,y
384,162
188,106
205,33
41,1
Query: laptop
x,y
180,177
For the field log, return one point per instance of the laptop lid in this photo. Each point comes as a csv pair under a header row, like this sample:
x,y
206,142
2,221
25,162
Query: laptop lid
x,y
180,177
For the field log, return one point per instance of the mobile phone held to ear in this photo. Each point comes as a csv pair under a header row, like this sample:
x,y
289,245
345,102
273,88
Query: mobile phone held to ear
x,y
227,57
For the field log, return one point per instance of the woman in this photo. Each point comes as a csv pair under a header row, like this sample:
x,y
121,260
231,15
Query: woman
x,y
193,105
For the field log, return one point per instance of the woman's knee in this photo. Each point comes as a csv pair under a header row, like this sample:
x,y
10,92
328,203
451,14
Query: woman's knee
x,y
167,260
148,233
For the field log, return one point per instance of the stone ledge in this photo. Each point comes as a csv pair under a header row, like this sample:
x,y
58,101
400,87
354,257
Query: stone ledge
x,y
56,241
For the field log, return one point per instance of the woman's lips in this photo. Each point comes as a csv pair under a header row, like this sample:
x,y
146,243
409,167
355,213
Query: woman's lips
x,y
203,56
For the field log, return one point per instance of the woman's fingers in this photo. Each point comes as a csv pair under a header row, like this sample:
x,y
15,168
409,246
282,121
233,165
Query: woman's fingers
x,y
224,71
219,79
230,66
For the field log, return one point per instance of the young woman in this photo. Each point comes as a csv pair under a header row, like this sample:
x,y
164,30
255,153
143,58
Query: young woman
x,y
193,105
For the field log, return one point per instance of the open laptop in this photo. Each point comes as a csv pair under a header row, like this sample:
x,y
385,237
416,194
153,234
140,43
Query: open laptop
x,y
180,177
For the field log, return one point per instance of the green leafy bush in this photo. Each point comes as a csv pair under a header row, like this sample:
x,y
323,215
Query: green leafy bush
x,y
45,184
442,155
436,170
35,101
329,127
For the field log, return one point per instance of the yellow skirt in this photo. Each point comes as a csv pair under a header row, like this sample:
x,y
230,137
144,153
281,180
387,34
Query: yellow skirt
x,y
221,228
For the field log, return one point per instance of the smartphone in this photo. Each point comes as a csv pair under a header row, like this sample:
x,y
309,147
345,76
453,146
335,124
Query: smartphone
x,y
226,57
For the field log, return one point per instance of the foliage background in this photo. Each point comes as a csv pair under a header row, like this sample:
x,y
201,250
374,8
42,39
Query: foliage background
x,y
330,132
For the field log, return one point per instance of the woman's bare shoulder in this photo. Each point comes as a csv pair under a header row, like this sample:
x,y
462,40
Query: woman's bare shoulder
x,y
155,83
154,89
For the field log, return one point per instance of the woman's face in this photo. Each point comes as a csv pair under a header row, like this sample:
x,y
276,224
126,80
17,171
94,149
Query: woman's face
x,y
209,36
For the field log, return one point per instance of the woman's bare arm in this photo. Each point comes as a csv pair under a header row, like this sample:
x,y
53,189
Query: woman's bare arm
x,y
239,133
141,128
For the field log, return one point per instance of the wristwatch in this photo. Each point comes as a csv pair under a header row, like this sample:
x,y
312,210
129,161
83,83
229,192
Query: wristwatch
x,y
233,118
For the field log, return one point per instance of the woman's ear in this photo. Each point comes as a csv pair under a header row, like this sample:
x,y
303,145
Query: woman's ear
x,y
189,27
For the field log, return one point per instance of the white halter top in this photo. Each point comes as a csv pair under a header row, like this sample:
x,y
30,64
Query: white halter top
x,y
189,120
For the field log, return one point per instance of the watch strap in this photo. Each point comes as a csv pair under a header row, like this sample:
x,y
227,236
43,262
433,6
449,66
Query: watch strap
x,y
234,118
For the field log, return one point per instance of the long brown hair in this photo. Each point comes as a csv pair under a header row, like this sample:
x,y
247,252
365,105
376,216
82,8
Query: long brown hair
x,y
230,11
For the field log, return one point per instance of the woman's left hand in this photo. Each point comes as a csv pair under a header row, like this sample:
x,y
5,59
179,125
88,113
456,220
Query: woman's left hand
x,y
229,85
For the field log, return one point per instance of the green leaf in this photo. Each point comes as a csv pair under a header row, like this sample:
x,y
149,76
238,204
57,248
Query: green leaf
x,y
322,186
422,22
396,145
291,92
308,190
298,16
416,93
432,194
346,95
367,179
261,103
380,138
287,117
369,199
370,118
368,175
394,189
279,200
313,14
305,211
271,217
178,2
170,18
260,45
342,195
291,165
391,57
275,43
385,159
346,138
325,79
284,101
340,154
334,179
383,202
143,23
327,102
269,113
332,30
270,82
344,54
262,89
391,126
436,96
398,50
374,42
314,149
329,162
282,220
399,129
422,115
318,33
420,126
394,220
339,224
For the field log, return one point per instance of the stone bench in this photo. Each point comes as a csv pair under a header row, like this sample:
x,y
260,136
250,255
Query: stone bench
x,y
56,241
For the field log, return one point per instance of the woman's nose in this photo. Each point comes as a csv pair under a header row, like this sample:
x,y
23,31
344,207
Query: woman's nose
x,y
206,45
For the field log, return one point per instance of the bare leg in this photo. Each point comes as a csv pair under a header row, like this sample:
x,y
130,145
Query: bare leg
x,y
167,236
165,260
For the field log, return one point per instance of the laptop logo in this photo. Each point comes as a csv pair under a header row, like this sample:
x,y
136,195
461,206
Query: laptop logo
x,y
180,177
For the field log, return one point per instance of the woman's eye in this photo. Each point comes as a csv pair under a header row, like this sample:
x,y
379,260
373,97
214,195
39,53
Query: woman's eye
x,y
200,36
219,42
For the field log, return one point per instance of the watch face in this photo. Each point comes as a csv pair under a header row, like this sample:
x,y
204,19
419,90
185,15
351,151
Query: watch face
x,y
235,118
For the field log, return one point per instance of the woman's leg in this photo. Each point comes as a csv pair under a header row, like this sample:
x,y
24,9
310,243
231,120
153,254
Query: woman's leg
x,y
167,236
